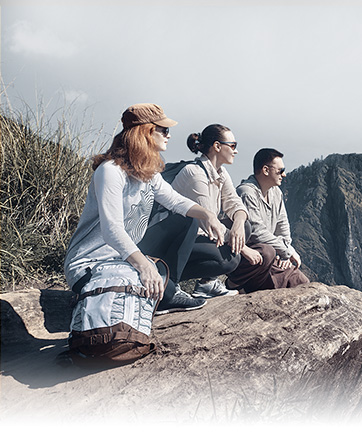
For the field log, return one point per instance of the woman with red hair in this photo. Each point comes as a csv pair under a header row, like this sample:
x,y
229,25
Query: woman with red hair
x,y
118,285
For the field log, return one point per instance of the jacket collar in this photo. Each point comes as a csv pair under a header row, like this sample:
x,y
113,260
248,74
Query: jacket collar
x,y
252,181
214,175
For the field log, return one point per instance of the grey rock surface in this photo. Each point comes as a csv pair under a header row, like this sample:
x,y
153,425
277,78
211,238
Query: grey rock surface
x,y
288,354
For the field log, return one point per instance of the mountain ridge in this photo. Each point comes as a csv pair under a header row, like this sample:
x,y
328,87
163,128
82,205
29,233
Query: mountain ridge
x,y
324,204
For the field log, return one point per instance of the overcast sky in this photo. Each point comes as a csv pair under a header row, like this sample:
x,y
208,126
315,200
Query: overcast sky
x,y
283,74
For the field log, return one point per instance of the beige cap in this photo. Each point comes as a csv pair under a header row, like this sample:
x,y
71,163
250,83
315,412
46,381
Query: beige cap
x,y
146,113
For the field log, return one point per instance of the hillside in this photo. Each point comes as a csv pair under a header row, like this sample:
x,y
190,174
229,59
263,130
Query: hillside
x,y
324,203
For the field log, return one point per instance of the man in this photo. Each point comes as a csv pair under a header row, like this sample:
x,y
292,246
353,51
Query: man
x,y
267,214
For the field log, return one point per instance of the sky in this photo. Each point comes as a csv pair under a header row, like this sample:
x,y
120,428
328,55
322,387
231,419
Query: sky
x,y
283,74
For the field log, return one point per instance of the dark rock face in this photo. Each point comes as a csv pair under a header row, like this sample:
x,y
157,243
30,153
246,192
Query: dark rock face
x,y
324,204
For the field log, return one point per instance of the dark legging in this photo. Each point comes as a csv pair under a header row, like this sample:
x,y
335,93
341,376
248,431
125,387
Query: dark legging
x,y
208,261
171,240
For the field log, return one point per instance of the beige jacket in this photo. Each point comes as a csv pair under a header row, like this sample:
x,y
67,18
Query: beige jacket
x,y
214,191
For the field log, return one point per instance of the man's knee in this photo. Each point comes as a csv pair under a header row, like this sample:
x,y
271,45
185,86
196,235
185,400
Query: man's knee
x,y
268,253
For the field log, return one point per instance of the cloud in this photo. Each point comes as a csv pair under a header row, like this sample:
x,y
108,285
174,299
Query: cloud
x,y
78,96
25,39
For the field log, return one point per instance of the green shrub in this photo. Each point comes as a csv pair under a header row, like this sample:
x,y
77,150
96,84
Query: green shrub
x,y
44,181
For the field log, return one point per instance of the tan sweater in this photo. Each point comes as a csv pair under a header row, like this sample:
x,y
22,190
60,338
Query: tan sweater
x,y
214,191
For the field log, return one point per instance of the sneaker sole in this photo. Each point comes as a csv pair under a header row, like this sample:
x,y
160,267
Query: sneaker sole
x,y
206,296
166,311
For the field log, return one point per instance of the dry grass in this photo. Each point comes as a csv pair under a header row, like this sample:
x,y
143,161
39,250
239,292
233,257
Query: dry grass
x,y
44,180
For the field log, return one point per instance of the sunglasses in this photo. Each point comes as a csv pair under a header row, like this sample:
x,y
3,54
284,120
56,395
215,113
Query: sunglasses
x,y
231,144
163,130
279,171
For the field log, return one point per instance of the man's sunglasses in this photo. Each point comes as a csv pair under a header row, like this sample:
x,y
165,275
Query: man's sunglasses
x,y
279,171
231,144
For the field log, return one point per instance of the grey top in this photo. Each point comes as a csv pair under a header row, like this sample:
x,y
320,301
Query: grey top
x,y
115,217
268,218
214,191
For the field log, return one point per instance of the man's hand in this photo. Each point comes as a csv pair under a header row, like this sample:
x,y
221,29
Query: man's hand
x,y
252,255
294,260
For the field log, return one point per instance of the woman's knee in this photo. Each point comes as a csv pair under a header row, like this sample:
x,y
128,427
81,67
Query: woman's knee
x,y
185,224
176,224
228,266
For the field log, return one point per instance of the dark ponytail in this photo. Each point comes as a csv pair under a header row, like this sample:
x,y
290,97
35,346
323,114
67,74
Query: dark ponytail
x,y
194,142
197,142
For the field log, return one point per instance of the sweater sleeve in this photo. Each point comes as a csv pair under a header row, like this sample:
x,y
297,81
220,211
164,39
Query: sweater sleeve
x,y
230,200
169,198
282,228
109,183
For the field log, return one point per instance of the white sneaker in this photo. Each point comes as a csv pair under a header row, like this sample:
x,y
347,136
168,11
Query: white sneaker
x,y
214,288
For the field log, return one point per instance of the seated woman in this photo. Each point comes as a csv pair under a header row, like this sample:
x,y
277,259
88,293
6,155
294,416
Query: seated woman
x,y
208,183
119,286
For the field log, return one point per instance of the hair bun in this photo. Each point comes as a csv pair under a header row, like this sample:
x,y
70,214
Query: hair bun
x,y
194,142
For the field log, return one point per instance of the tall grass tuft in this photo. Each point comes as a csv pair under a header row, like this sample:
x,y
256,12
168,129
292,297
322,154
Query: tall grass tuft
x,y
44,181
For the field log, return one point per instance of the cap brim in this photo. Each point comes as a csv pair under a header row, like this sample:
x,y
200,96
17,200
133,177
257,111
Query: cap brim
x,y
165,122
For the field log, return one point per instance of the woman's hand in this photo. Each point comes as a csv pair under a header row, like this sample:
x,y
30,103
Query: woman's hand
x,y
149,276
253,256
237,232
213,227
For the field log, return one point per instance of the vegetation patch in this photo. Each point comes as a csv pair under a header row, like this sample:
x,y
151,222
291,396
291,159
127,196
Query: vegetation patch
x,y
44,179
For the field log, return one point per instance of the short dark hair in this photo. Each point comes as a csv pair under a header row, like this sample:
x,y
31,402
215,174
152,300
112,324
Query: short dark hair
x,y
264,157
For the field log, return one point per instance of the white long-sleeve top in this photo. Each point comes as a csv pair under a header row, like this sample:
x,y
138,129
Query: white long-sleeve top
x,y
268,218
115,217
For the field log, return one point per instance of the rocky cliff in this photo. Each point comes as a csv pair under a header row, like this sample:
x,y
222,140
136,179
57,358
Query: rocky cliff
x,y
324,203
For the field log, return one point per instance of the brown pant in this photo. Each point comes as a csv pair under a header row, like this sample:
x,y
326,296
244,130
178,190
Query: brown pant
x,y
288,278
255,277
267,275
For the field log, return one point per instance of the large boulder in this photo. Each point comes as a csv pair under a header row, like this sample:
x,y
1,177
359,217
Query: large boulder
x,y
270,355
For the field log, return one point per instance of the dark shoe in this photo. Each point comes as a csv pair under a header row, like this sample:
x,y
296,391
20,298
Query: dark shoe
x,y
238,288
64,359
181,302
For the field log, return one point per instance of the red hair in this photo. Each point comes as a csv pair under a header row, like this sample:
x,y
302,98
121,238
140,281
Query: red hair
x,y
135,151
